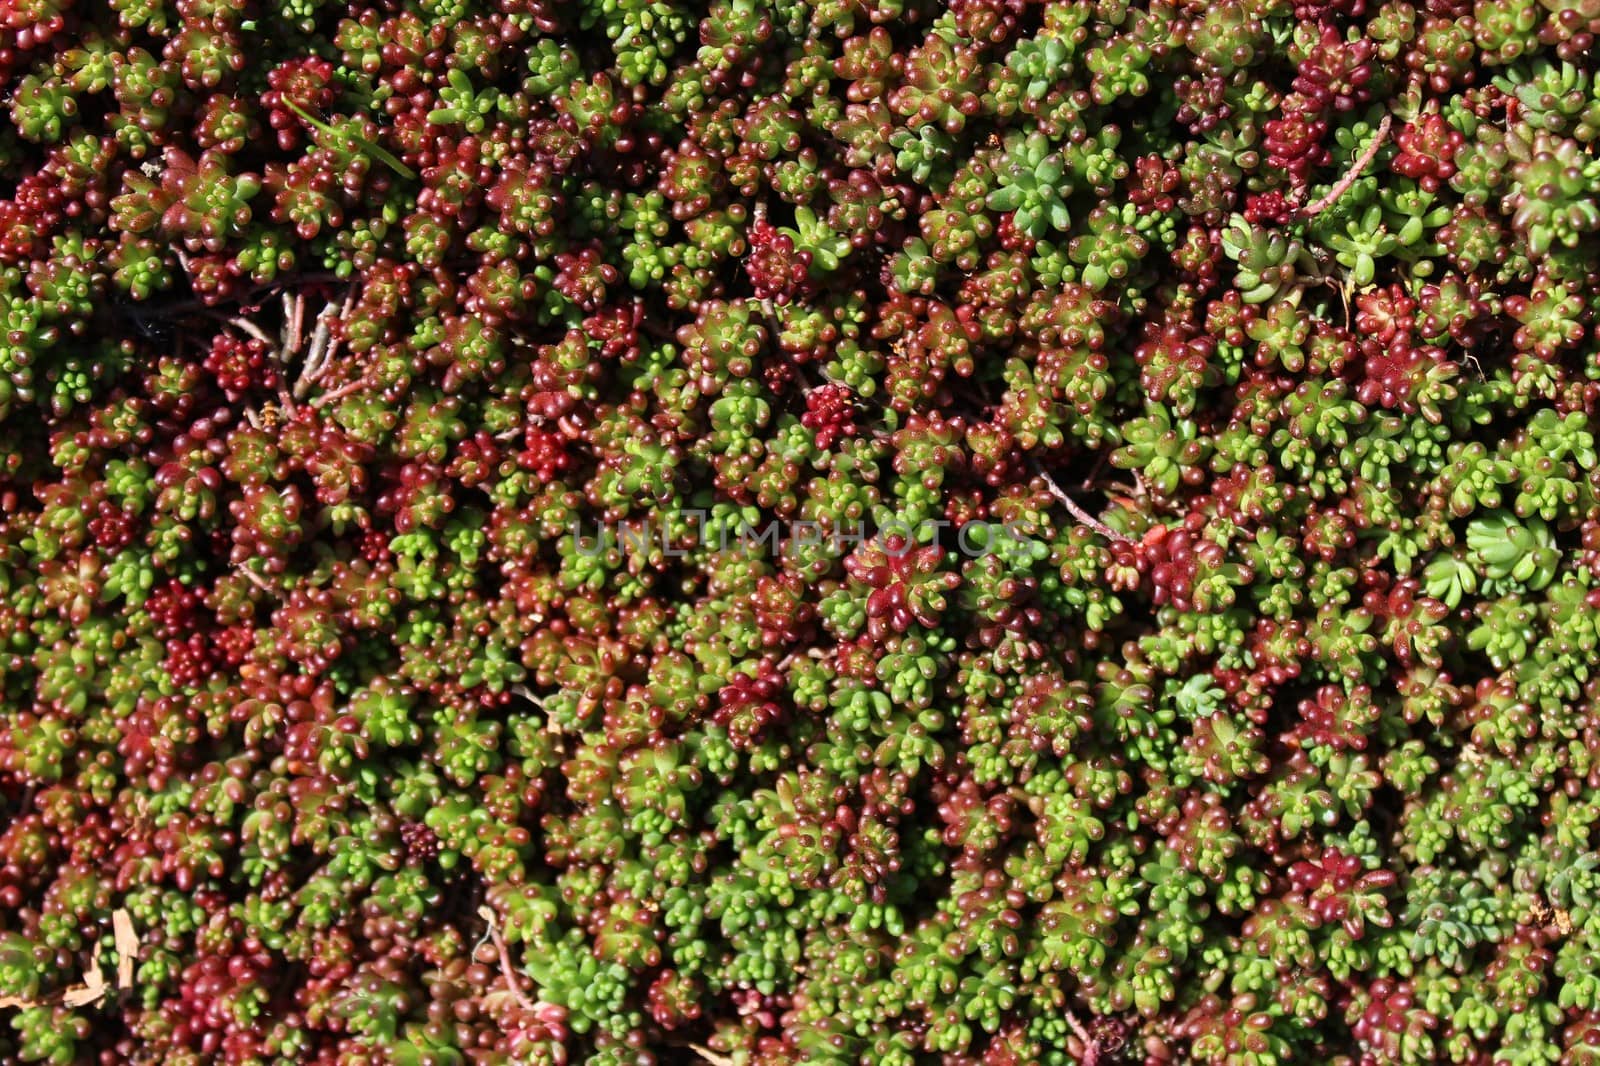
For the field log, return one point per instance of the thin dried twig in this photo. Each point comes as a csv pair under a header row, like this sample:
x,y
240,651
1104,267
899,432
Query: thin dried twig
x,y
341,392
1091,1046
321,342
487,914
710,1056
344,316
324,346
294,318
1080,514
1359,166
255,579
243,324
550,723
526,693
794,656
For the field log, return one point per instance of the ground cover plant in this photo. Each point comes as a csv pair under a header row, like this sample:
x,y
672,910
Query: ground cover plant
x,y
1170,628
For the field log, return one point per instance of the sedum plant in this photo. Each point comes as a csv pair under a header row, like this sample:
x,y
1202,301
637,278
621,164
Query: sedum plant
x,y
799,531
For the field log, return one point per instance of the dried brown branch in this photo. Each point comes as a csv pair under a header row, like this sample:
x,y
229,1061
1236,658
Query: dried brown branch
x,y
244,325
127,941
324,346
294,316
93,990
1081,515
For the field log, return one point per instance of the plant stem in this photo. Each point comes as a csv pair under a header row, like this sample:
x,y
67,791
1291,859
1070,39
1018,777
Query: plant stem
x,y
1353,175
1091,1046
506,969
1081,515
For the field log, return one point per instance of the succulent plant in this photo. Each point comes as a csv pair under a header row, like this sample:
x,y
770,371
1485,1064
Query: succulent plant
x,y
799,532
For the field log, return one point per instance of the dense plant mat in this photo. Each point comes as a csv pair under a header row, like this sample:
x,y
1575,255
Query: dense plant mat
x,y
821,531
